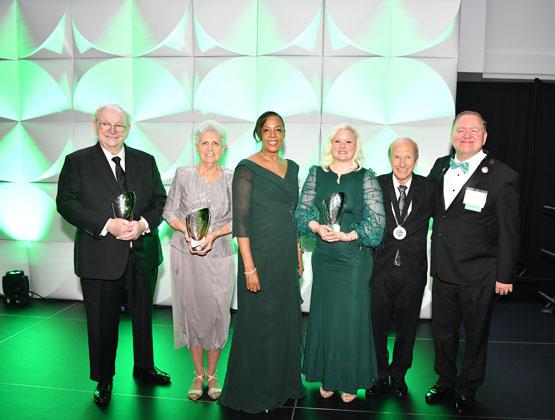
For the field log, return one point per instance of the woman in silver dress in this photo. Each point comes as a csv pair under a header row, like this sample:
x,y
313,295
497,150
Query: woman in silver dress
x,y
202,281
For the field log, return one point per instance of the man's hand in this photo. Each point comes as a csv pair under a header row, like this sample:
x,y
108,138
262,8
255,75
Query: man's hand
x,y
503,288
125,230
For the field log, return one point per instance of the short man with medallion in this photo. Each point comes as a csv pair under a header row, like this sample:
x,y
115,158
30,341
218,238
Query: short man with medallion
x,y
113,254
400,265
474,249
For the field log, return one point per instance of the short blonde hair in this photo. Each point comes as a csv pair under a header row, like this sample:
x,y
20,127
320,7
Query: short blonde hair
x,y
328,158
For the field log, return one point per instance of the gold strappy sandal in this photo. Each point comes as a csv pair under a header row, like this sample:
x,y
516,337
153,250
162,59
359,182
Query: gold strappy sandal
x,y
195,393
214,392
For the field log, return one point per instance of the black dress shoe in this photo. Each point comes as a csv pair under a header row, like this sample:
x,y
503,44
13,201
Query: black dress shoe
x,y
399,388
103,393
152,376
436,393
378,387
463,403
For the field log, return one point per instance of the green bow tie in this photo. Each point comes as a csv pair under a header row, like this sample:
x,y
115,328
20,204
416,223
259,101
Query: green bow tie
x,y
454,165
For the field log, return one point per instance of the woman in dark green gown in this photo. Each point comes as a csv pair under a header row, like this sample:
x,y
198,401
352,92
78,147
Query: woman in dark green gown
x,y
264,367
339,349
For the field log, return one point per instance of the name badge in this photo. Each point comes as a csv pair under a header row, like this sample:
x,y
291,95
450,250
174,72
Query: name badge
x,y
474,199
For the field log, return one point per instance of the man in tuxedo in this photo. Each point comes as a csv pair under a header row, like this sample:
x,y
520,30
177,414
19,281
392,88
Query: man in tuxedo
x,y
474,248
400,265
113,255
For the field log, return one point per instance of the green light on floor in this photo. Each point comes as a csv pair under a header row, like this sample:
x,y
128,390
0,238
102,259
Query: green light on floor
x,y
26,212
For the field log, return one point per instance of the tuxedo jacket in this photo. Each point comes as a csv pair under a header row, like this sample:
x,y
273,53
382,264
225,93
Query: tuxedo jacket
x,y
413,247
476,248
86,188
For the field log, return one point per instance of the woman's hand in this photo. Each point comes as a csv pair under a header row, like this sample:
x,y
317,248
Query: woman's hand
x,y
252,281
322,231
206,243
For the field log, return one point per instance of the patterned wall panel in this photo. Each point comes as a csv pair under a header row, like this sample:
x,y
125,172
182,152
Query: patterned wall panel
x,y
386,66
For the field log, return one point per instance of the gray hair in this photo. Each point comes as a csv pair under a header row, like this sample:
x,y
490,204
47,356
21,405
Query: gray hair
x,y
210,125
112,106
401,140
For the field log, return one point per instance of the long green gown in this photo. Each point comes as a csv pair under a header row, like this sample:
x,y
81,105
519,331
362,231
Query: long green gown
x,y
339,349
264,366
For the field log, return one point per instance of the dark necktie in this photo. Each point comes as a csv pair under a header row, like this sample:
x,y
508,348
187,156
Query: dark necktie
x,y
402,199
120,174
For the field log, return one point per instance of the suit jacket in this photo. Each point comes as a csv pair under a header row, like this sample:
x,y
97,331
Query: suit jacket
x,y
86,188
476,248
412,249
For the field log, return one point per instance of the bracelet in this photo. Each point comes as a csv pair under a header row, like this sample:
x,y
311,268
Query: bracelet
x,y
248,273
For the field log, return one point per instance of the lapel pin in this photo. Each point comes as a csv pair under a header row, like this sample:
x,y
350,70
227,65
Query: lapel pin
x,y
485,169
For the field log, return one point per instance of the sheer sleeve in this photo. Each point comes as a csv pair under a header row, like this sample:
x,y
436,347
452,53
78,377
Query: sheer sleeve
x,y
371,229
306,210
241,191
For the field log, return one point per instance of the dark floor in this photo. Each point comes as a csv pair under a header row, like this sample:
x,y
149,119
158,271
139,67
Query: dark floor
x,y
44,373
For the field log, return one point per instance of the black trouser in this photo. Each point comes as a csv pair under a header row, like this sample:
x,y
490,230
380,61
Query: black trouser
x,y
396,300
103,299
451,305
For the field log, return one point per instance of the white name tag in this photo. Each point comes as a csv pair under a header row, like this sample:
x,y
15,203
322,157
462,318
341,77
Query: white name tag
x,y
474,199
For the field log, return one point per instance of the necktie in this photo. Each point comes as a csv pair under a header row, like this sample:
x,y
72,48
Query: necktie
x,y
454,165
402,199
120,174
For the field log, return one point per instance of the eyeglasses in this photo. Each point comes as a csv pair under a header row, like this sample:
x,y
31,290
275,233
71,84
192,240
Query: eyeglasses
x,y
106,126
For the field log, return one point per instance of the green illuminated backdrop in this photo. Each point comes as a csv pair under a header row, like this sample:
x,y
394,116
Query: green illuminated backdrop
x,y
386,66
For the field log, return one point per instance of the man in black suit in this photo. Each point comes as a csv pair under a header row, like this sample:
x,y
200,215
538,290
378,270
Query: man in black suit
x,y
114,255
474,248
400,265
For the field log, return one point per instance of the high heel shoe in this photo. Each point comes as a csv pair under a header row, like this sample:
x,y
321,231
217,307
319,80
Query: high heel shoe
x,y
214,392
325,394
195,393
348,398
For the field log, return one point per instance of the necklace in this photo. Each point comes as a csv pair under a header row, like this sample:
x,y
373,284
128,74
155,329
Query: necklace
x,y
276,163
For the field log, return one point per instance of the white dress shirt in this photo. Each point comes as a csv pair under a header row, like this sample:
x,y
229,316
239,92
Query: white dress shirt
x,y
396,184
454,179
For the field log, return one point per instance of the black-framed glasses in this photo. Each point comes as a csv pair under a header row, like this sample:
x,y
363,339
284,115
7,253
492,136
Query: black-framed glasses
x,y
106,126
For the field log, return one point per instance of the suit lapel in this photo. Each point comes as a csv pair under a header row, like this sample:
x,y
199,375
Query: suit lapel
x,y
131,168
414,196
390,198
104,169
440,182
473,181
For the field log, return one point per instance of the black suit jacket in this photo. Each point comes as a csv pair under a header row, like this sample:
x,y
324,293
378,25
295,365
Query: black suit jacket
x,y
86,188
476,248
413,248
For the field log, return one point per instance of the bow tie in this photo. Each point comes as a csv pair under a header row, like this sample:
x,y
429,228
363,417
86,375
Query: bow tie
x,y
454,165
